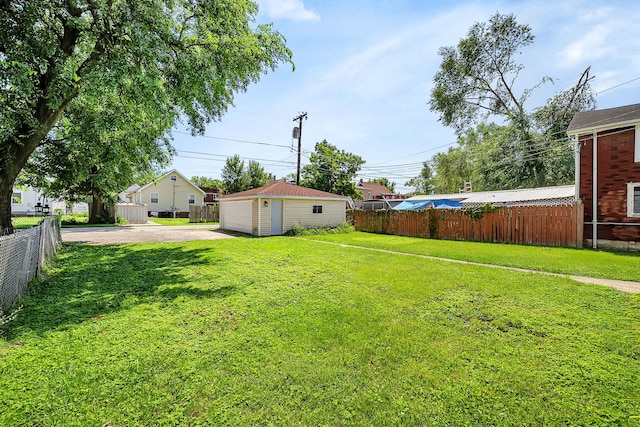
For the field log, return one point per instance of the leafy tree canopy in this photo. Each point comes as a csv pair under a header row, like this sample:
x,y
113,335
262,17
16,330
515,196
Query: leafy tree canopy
x,y
182,58
236,177
71,165
476,83
477,76
423,183
256,176
332,170
233,176
204,181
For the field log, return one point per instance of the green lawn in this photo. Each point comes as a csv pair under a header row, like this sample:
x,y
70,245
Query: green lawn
x,y
176,221
580,262
281,331
24,222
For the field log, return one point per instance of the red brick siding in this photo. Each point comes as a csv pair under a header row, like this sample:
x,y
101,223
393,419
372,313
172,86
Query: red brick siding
x,y
586,177
616,167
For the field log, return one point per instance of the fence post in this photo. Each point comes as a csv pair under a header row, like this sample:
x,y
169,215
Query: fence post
x,y
22,256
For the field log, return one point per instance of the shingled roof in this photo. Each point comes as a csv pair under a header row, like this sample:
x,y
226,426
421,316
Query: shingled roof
x,y
607,118
376,189
283,189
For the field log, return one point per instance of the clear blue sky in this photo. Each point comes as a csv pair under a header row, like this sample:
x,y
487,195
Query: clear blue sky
x,y
364,72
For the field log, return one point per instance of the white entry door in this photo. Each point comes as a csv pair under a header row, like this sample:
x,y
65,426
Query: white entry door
x,y
276,217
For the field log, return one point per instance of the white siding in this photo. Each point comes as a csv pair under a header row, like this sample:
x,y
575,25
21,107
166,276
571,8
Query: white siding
x,y
265,217
30,197
301,212
167,193
237,215
135,214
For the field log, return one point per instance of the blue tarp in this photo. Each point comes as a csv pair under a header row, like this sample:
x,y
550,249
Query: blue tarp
x,y
416,205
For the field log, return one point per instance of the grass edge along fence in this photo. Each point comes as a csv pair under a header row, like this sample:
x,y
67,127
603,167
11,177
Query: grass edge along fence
x,y
22,255
525,225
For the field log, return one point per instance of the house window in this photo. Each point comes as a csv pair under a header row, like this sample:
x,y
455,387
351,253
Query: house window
x,y
192,199
633,199
174,178
317,208
16,198
154,197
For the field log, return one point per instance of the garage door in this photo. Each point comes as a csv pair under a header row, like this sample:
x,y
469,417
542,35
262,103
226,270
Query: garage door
x,y
236,216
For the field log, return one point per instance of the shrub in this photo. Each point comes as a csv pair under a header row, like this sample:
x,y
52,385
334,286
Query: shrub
x,y
73,221
299,230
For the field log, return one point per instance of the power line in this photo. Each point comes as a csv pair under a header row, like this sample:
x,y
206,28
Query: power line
x,y
618,85
225,157
235,140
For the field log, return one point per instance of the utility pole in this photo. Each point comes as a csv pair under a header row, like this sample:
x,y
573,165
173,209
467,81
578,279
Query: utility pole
x,y
303,115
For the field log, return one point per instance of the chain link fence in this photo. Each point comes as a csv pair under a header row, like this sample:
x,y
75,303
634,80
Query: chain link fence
x,y
22,254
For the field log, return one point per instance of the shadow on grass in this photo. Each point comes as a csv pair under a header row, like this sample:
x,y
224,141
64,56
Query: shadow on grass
x,y
90,281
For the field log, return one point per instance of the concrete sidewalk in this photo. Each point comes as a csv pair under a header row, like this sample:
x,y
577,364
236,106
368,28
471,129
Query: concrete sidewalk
x,y
138,233
621,285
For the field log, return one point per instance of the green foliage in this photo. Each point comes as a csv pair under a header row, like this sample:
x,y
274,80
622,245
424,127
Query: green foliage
x,y
476,83
120,220
423,183
233,176
82,219
22,222
73,167
65,64
282,331
256,176
203,181
391,186
477,75
236,177
492,158
452,170
74,221
332,170
299,230
477,212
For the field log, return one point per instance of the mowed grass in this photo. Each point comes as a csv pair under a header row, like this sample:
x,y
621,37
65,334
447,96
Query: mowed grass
x,y
23,222
282,331
579,262
176,221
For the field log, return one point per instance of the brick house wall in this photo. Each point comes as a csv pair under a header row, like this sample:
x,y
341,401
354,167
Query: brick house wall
x,y
616,168
212,194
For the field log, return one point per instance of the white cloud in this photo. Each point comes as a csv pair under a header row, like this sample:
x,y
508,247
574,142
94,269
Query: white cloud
x,y
289,9
592,45
400,59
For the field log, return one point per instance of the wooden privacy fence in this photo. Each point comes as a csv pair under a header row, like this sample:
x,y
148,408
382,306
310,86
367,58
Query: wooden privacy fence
x,y
525,225
207,213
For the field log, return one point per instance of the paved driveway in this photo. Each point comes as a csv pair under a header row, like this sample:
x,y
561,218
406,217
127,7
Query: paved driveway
x,y
142,233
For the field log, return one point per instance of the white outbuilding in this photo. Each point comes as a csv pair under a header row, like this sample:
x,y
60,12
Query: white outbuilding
x,y
276,207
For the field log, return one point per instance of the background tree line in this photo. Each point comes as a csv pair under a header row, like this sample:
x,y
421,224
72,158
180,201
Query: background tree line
x,y
501,144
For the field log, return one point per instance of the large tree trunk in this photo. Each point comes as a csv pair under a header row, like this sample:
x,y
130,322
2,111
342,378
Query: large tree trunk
x,y
16,154
100,213
95,209
6,190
